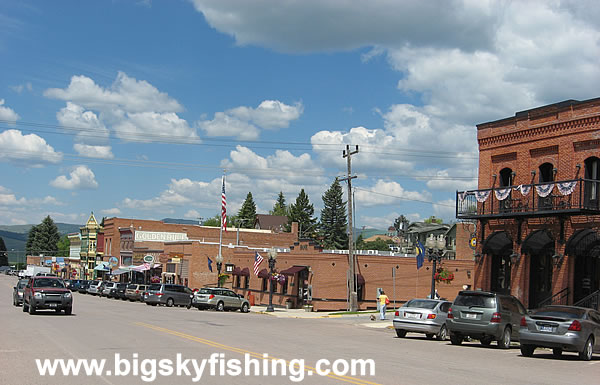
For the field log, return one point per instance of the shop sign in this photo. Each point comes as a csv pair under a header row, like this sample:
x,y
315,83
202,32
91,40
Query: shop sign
x,y
159,236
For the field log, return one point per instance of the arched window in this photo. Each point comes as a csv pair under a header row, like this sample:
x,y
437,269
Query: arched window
x,y
506,177
546,173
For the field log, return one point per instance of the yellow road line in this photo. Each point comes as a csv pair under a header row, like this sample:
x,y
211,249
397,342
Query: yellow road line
x,y
217,345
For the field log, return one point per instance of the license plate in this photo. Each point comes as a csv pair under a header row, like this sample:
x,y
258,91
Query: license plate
x,y
413,315
470,315
546,328
52,305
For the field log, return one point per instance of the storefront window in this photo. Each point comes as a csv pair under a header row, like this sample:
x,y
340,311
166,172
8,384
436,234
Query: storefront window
x,y
284,287
246,282
264,284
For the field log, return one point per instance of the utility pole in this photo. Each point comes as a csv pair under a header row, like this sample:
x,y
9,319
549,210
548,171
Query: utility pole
x,y
352,279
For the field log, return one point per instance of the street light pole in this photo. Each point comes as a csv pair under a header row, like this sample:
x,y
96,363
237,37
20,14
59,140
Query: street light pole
x,y
272,260
435,249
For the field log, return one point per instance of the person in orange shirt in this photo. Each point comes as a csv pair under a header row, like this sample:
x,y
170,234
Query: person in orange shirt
x,y
383,302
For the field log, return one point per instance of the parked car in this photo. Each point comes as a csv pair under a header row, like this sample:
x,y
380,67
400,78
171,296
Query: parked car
x,y
220,299
118,291
485,316
18,292
75,284
84,285
168,294
94,288
423,316
135,292
106,288
47,293
561,328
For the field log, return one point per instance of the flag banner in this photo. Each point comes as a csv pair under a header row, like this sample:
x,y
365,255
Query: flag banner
x,y
502,193
223,206
462,195
566,188
420,255
544,190
257,261
524,189
209,264
482,196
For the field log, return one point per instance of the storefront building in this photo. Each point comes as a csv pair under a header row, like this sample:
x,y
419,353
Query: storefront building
x,y
89,254
536,207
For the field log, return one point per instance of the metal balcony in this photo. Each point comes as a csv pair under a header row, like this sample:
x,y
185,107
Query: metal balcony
x,y
582,200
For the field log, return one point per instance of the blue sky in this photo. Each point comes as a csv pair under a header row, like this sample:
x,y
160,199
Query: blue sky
x,y
135,108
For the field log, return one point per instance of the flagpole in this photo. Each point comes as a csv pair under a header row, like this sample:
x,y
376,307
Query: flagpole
x,y
221,227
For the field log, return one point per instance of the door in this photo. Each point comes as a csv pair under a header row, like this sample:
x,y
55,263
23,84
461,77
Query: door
x,y
540,279
501,274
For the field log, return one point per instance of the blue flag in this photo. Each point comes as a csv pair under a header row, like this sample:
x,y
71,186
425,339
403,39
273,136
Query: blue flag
x,y
420,255
209,264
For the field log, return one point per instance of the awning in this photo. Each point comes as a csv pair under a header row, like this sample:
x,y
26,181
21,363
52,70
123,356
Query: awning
x,y
293,270
245,272
119,272
236,271
497,243
360,279
582,242
102,266
537,242
145,267
263,274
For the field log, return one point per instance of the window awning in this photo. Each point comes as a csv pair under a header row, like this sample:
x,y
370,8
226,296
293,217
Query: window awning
x,y
119,272
537,242
102,266
293,270
236,271
145,266
582,242
497,243
360,279
263,274
245,272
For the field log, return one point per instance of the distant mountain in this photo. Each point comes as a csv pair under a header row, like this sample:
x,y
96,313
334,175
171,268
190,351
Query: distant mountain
x,y
63,228
15,237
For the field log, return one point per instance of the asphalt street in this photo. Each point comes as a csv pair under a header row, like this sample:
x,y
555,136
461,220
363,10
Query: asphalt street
x,y
100,328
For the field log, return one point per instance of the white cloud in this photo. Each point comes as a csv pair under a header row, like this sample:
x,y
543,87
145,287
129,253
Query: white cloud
x,y
90,130
10,200
7,113
26,150
80,178
387,193
113,211
244,122
100,152
22,87
149,126
193,214
445,209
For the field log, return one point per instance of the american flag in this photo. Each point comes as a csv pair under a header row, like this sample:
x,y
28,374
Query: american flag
x,y
223,206
257,261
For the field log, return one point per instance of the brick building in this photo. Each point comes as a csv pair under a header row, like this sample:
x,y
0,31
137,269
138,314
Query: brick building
x,y
537,204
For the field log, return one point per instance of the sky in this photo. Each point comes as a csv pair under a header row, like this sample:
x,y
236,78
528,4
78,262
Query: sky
x,y
137,108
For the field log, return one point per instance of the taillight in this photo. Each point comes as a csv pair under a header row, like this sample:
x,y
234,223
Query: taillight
x,y
397,313
523,321
211,296
431,316
575,326
159,294
450,315
496,318
137,291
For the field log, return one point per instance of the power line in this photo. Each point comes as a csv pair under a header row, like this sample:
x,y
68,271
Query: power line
x,y
404,198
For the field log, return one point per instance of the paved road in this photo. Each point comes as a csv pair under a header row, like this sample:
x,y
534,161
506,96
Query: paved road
x,y
100,328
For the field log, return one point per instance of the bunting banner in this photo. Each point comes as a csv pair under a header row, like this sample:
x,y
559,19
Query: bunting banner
x,y
462,196
543,190
482,196
524,189
566,188
502,193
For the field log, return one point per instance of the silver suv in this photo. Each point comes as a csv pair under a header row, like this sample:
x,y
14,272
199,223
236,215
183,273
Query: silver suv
x,y
485,316
219,299
168,294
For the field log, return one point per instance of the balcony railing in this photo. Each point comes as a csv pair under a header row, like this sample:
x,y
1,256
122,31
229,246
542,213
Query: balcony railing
x,y
574,197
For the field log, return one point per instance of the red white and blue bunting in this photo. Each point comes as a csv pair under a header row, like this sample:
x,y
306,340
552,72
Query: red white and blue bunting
x,y
502,193
566,188
462,196
482,196
543,190
524,189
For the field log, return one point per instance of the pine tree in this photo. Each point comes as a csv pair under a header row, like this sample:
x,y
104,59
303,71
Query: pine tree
x,y
64,246
280,207
302,212
29,246
3,254
247,213
334,223
43,238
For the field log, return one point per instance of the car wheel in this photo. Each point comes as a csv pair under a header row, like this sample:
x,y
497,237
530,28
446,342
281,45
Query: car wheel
x,y
504,343
220,306
527,350
442,334
586,353
245,308
455,339
68,311
57,311
401,333
31,309
148,304
557,352
170,302
429,336
486,341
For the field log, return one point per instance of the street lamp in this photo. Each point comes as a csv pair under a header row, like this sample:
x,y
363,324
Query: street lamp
x,y
435,249
272,259
219,260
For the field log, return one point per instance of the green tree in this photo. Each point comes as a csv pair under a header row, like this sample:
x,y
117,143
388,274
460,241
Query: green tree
x,y
3,254
280,207
334,222
433,219
378,244
360,243
64,245
401,224
248,212
216,221
302,212
43,238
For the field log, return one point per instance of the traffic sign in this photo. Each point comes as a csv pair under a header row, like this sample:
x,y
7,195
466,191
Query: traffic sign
x,y
149,258
113,261
473,241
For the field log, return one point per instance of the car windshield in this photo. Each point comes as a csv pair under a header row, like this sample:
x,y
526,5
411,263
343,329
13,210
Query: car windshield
x,y
205,291
121,285
132,286
21,284
155,287
475,300
94,283
421,304
48,282
559,312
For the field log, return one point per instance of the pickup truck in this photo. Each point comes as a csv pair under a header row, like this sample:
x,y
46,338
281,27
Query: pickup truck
x,y
47,293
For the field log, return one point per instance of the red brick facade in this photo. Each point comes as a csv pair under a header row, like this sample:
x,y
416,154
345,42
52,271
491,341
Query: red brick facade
x,y
565,135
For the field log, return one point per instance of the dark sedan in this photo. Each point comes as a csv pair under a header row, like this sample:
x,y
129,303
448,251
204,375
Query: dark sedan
x,y
118,291
561,328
